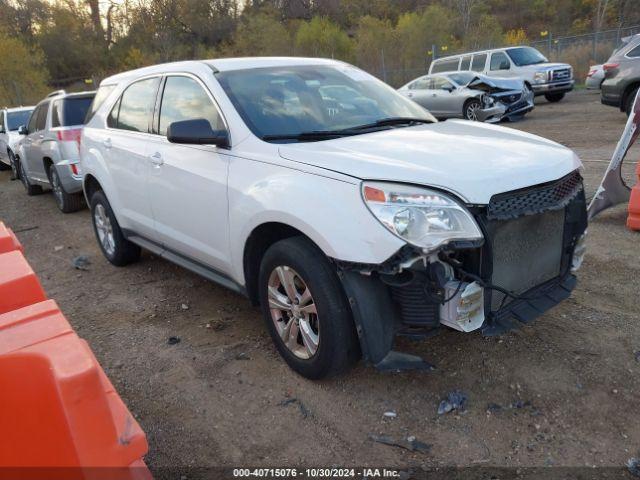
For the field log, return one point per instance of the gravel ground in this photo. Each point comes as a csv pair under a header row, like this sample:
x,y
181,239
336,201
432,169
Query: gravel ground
x,y
562,392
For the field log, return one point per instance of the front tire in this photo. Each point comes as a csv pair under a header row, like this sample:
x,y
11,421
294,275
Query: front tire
x,y
471,108
306,310
31,189
115,247
66,202
554,97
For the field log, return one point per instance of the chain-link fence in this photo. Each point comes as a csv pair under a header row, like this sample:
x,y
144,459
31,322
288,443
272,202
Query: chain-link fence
x,y
580,51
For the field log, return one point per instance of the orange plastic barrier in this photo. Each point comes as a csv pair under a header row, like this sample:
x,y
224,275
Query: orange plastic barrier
x,y
8,240
19,286
60,414
633,220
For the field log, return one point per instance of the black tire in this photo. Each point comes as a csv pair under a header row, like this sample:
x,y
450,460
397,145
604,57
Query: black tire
x,y
469,105
124,252
337,347
554,97
13,164
30,189
66,202
629,101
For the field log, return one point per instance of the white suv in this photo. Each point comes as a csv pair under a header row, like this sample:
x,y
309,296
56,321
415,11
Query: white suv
x,y
11,119
552,80
350,220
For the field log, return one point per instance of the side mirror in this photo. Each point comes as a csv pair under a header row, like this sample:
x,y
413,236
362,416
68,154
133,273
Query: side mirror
x,y
22,130
197,132
448,89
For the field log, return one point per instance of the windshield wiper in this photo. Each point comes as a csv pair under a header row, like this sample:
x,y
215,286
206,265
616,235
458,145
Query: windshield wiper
x,y
310,136
357,130
387,122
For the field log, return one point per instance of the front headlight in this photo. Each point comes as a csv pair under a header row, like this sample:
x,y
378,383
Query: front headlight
x,y
422,217
540,77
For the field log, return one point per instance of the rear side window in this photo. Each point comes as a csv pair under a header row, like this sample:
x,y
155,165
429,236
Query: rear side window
x,y
465,63
135,107
101,95
41,121
634,53
450,65
420,84
185,99
478,62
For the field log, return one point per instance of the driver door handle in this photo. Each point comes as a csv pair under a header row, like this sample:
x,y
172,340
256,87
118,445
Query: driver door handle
x,y
107,143
156,159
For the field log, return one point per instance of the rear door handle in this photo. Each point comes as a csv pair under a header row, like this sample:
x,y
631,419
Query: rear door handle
x,y
156,159
107,143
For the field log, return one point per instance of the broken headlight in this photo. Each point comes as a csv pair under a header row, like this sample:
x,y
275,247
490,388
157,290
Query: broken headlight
x,y
422,217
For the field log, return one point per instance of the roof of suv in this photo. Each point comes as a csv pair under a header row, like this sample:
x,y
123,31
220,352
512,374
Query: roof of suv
x,y
222,65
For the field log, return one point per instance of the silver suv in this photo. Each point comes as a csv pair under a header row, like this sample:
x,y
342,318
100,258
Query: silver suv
x,y
11,119
48,154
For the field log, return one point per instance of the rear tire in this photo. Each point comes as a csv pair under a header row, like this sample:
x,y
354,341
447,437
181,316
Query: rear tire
x,y
67,202
115,247
31,189
13,163
554,97
629,101
325,341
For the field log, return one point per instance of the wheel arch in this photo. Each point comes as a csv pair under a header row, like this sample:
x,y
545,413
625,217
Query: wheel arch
x,y
258,242
90,185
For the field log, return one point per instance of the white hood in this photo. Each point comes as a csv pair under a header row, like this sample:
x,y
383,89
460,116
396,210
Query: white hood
x,y
472,160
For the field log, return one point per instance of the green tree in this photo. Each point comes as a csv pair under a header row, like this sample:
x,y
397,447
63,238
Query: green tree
x,y
320,37
23,79
262,34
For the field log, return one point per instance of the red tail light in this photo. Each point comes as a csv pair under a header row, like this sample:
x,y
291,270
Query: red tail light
x,y
74,168
71,135
610,66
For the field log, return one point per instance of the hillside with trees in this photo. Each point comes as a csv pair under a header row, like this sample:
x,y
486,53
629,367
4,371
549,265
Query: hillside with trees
x,y
70,43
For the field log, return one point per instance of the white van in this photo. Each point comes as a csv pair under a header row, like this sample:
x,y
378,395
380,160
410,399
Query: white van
x,y
552,80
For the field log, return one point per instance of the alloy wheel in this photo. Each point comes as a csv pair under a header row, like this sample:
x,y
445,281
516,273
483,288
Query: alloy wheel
x,y
472,111
294,312
104,230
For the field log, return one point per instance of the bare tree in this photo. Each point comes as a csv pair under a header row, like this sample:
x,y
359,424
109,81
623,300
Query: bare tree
x,y
600,14
465,9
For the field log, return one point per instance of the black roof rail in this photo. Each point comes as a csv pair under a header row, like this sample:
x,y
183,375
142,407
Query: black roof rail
x,y
57,92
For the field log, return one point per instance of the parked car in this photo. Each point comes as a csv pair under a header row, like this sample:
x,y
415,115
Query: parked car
x,y
10,120
48,155
553,80
471,96
347,223
622,75
595,77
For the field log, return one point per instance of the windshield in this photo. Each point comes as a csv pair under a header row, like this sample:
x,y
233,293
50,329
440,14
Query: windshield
x,y
289,101
522,56
462,78
16,119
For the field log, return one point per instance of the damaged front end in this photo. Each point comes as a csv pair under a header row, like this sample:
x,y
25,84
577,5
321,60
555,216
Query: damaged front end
x,y
533,244
503,98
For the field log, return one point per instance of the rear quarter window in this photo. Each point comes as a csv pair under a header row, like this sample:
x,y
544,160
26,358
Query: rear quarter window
x,y
634,52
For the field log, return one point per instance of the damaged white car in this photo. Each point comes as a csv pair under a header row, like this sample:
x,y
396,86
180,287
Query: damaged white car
x,y
349,220
471,96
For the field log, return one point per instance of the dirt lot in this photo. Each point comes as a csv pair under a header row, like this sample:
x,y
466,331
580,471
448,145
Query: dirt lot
x,y
218,397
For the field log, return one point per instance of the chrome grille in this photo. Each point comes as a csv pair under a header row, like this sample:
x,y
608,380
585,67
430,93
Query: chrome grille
x,y
561,74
